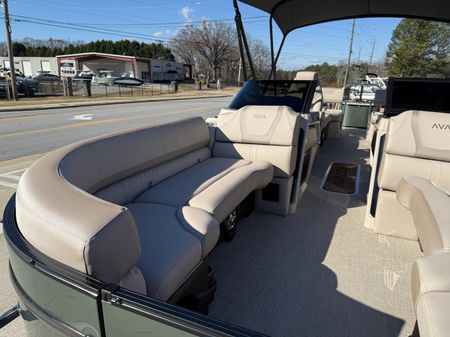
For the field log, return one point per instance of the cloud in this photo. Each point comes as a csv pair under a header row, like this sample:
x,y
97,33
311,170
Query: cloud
x,y
186,13
158,34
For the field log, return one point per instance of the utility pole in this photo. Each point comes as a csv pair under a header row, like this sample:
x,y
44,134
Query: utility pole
x,y
349,53
371,55
239,72
10,50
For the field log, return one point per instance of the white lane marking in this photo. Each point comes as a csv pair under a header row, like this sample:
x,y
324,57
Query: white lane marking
x,y
6,178
85,117
10,176
390,279
1,228
7,184
15,171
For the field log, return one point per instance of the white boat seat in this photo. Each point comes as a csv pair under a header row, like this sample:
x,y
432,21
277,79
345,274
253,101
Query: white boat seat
x,y
78,204
325,119
223,196
169,252
414,146
334,114
335,124
430,282
268,133
217,185
178,189
432,314
430,209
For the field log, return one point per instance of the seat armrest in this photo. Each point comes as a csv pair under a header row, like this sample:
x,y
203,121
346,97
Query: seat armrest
x,y
430,274
430,209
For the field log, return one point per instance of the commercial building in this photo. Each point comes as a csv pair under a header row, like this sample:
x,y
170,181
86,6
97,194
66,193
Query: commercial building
x,y
29,66
138,67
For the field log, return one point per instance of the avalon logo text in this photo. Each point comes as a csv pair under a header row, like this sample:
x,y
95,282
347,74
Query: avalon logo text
x,y
441,126
258,116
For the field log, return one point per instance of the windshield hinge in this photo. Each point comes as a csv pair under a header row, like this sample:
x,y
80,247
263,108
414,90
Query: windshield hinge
x,y
107,293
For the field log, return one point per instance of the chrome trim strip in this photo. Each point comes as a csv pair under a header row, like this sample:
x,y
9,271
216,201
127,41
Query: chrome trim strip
x,y
9,316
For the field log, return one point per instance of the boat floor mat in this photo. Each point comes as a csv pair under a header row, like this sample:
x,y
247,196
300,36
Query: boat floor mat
x,y
341,178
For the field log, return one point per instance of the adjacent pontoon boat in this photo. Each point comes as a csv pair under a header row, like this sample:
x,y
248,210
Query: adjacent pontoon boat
x,y
144,232
366,88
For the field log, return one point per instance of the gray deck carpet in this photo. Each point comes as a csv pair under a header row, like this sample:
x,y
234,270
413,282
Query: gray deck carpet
x,y
319,272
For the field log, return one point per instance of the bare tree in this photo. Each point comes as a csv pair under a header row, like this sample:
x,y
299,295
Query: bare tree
x,y
261,58
213,50
210,47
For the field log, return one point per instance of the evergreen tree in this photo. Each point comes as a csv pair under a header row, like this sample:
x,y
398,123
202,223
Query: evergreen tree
x,y
31,47
419,48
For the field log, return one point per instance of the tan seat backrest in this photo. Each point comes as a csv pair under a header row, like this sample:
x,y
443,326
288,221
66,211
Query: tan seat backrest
x,y
269,133
317,102
103,161
332,95
417,143
58,215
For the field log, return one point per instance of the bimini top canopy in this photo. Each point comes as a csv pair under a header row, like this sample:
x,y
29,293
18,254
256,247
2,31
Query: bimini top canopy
x,y
292,14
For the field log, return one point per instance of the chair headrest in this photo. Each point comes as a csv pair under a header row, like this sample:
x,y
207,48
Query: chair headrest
x,y
271,125
422,134
306,76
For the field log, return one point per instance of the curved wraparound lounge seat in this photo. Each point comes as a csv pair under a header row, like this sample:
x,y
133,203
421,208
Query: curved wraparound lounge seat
x,y
142,208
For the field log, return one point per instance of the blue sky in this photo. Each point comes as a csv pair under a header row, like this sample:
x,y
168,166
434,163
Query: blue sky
x,y
156,19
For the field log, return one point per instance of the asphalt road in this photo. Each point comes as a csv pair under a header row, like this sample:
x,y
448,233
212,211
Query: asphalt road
x,y
24,133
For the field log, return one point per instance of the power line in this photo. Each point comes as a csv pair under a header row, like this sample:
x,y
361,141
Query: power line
x,y
88,28
164,24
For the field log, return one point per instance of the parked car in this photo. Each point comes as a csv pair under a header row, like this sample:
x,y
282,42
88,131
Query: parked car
x,y
25,85
46,76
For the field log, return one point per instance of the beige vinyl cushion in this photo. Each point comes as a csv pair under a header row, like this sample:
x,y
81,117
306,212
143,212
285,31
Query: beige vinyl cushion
x,y
394,167
222,197
169,252
59,216
333,95
430,208
335,115
73,227
317,102
430,274
268,125
127,190
268,133
306,76
417,143
283,158
179,188
433,314
100,162
419,134
202,224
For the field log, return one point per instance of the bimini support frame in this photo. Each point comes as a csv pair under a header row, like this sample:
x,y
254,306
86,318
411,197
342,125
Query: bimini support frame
x,y
242,39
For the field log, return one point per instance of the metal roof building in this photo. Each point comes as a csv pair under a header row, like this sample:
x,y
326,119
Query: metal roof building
x,y
143,68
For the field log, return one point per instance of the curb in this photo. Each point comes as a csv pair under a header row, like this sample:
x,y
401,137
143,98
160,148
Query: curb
x,y
87,104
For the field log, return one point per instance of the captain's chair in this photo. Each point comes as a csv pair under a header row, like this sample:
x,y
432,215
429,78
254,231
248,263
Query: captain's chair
x,y
417,143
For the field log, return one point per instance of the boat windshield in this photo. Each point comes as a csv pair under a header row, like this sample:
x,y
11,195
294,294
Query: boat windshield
x,y
269,92
417,94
